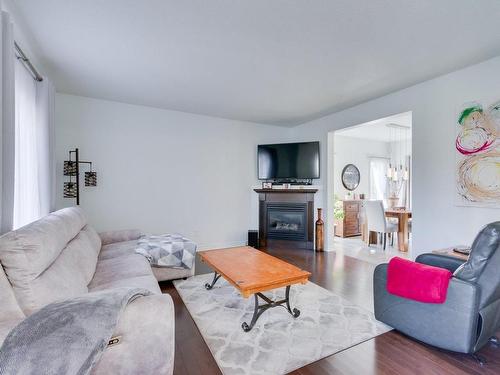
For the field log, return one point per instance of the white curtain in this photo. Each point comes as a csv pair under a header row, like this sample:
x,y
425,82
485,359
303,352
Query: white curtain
x,y
7,126
34,156
45,106
378,179
27,205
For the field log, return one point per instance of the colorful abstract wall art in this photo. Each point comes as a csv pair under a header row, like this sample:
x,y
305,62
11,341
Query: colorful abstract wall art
x,y
477,146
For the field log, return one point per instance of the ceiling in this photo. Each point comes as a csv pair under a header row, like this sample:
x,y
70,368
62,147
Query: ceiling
x,y
393,128
280,62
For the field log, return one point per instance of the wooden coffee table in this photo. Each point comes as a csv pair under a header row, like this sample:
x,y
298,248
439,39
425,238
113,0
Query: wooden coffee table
x,y
252,272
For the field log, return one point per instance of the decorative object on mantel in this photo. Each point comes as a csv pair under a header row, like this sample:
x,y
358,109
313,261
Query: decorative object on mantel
x,y
267,185
72,169
477,155
319,231
350,177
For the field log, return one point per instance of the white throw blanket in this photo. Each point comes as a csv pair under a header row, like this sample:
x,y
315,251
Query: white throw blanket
x,y
167,250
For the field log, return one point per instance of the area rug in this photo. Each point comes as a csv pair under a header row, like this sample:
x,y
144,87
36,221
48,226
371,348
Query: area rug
x,y
278,343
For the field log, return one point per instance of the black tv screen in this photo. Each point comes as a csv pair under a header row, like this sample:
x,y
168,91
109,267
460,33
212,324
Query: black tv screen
x,y
288,161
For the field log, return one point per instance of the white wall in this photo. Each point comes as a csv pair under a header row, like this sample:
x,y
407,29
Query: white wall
x,y
164,171
435,103
168,171
357,151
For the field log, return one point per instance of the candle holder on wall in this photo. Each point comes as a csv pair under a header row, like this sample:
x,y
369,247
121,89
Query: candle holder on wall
x,y
72,169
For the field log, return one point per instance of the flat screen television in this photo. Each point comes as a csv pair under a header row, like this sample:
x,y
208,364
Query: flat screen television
x,y
288,161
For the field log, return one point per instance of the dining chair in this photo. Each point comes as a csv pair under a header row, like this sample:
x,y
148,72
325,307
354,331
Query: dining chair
x,y
376,220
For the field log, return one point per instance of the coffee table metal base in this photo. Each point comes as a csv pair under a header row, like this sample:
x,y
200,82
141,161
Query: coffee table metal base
x,y
259,309
211,285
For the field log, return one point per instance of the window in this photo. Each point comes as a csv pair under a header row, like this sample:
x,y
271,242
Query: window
x,y
378,179
26,189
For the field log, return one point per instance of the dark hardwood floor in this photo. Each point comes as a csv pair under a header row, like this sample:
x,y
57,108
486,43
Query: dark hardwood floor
x,y
390,353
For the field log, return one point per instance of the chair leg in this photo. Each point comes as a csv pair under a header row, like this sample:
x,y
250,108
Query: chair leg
x,y
385,239
392,239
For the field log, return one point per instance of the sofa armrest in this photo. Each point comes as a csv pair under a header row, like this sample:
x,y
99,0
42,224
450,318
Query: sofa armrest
x,y
119,236
147,343
451,325
442,261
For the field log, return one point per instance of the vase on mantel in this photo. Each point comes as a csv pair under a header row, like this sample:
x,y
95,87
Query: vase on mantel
x,y
319,245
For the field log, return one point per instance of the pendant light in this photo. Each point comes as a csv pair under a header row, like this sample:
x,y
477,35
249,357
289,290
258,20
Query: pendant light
x,y
406,173
389,169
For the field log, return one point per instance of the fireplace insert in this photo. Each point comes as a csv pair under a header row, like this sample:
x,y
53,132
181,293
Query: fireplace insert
x,y
287,221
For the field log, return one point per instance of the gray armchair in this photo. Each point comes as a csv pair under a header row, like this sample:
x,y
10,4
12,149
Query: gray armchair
x,y
471,314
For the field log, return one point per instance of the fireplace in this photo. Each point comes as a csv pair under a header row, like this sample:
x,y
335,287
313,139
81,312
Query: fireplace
x,y
287,221
287,216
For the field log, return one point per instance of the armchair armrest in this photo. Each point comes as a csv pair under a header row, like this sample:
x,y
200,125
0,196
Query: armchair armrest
x,y
451,325
119,236
442,261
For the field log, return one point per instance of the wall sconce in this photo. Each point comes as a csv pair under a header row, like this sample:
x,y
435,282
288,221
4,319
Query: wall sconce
x,y
90,178
72,169
70,190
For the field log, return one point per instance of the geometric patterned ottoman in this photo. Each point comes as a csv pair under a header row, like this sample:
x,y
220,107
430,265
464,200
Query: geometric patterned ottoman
x,y
171,256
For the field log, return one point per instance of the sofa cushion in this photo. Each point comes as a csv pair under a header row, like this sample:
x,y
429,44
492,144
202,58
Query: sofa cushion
x,y
9,308
147,282
118,249
147,345
70,273
28,251
49,259
118,268
119,236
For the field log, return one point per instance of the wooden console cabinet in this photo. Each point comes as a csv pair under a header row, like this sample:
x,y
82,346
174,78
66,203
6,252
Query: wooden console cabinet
x,y
350,226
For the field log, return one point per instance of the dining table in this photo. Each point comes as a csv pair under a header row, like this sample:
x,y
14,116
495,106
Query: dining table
x,y
403,215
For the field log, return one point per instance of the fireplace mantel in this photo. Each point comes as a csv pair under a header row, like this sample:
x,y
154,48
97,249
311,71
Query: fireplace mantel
x,y
269,199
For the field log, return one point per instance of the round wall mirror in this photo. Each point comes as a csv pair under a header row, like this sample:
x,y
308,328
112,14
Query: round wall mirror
x,y
350,177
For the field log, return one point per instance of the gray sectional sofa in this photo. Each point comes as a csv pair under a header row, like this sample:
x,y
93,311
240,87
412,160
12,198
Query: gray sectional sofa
x,y
60,256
